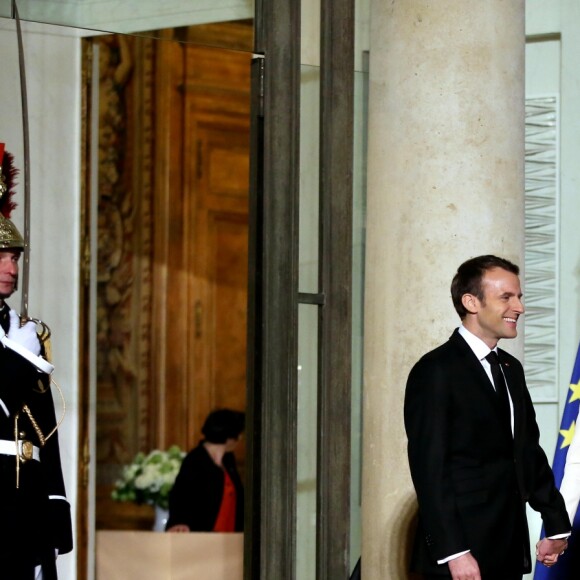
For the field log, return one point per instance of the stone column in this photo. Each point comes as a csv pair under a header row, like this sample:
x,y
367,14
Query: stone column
x,y
445,183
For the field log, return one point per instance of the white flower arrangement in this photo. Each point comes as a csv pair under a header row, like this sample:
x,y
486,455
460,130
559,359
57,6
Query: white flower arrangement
x,y
149,478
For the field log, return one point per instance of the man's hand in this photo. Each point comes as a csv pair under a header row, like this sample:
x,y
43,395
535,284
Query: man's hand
x,y
547,551
464,568
23,335
178,528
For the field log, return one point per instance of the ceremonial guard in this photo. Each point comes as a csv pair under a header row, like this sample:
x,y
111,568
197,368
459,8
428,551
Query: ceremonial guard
x,y
35,520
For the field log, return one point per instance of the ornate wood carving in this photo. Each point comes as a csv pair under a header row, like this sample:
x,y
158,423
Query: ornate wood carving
x,y
124,264
172,250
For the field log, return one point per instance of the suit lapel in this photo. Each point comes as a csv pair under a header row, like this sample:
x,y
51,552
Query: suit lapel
x,y
481,380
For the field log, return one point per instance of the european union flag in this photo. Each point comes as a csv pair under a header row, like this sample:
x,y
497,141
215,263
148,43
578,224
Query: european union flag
x,y
568,565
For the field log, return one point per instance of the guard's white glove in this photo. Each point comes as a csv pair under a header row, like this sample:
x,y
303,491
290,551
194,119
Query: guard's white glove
x,y
23,335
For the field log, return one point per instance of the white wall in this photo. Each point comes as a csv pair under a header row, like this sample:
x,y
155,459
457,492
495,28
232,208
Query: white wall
x,y
551,69
53,81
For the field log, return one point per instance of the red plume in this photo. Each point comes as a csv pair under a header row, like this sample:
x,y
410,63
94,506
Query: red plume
x,y
8,175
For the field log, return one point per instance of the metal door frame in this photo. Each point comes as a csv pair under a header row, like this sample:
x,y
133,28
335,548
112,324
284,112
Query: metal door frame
x,y
270,538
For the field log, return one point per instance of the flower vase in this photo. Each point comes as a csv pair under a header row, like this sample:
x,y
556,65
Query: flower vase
x,y
161,516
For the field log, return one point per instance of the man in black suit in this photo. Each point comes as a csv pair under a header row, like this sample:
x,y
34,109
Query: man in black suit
x,y
474,448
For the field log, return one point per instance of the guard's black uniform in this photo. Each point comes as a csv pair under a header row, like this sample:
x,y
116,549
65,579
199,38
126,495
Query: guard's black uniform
x,y
35,519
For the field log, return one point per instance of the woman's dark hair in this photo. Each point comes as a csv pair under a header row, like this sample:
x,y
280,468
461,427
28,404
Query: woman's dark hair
x,y
223,424
468,278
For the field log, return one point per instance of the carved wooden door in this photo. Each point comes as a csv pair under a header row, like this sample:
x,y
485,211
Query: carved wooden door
x,y
217,101
173,329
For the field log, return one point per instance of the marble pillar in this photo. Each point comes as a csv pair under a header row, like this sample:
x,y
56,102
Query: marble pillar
x,y
445,183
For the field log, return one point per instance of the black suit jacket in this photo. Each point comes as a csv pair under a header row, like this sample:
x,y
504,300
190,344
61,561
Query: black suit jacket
x,y
471,476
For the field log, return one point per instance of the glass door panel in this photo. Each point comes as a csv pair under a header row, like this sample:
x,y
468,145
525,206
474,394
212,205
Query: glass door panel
x,y
308,244
358,257
307,428
308,328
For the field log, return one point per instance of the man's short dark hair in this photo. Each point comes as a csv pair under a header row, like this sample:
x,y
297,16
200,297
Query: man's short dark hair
x,y
469,275
223,424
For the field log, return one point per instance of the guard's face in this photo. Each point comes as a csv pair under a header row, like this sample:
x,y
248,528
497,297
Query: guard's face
x,y
8,272
496,316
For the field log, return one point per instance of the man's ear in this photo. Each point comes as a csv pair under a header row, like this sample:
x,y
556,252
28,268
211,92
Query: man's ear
x,y
470,303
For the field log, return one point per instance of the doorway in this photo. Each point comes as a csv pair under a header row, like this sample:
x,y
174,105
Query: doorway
x,y
273,305
171,274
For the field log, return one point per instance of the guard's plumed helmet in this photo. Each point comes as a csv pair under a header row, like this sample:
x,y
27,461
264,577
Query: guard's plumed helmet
x,y
10,237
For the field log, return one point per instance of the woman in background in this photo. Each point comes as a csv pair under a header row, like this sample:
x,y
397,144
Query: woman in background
x,y
208,494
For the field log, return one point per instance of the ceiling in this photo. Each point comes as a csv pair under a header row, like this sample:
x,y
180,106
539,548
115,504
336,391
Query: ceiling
x,y
129,16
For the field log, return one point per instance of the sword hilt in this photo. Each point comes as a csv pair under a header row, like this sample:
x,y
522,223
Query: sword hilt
x,y
42,329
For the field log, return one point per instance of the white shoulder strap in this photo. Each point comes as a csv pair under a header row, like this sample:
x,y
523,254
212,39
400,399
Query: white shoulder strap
x,y
40,363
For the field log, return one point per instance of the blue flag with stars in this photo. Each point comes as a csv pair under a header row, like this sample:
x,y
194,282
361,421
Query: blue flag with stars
x,y
568,565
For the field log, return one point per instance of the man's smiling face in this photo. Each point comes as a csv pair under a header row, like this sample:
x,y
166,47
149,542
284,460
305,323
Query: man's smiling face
x,y
496,316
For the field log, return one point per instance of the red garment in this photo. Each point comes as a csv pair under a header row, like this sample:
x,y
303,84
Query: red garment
x,y
226,518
